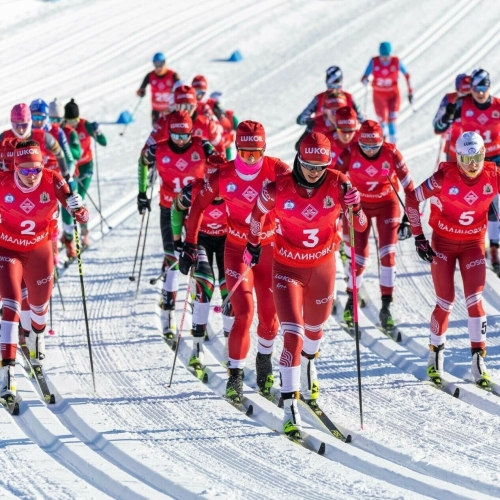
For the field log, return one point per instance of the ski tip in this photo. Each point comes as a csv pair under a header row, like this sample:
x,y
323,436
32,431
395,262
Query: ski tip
x,y
217,309
205,378
131,278
398,337
249,411
322,449
52,400
348,438
456,393
152,281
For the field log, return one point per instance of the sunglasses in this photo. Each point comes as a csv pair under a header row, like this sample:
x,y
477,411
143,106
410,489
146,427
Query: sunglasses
x,y
370,147
334,86
55,119
340,131
20,126
180,137
184,107
467,159
28,171
256,154
312,168
200,93
38,118
159,64
480,88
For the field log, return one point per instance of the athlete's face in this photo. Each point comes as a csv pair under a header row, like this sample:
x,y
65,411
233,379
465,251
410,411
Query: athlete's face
x,y
180,139
160,68
250,156
480,94
30,173
345,136
313,176
474,166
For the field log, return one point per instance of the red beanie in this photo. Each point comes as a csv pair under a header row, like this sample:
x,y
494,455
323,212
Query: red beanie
x,y
199,82
315,147
250,135
371,133
180,123
20,113
184,95
27,154
346,119
335,100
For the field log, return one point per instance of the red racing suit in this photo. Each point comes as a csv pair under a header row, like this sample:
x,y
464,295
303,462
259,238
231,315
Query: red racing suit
x,y
378,199
26,219
240,192
459,211
304,262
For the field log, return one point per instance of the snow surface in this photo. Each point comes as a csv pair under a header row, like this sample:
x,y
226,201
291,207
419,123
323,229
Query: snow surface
x,y
137,438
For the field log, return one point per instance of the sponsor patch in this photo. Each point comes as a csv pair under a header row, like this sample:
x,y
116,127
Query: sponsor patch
x,y
231,187
195,157
288,205
44,197
487,189
8,198
165,159
327,202
453,190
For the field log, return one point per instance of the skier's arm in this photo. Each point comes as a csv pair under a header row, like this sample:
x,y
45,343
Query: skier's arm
x,y
281,168
63,143
430,187
343,161
63,191
208,194
452,113
402,172
367,73
141,92
146,162
308,111
404,71
439,115
94,131
53,146
180,206
74,145
264,204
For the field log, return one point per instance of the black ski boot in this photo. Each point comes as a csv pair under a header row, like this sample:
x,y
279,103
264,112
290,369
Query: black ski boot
x,y
385,317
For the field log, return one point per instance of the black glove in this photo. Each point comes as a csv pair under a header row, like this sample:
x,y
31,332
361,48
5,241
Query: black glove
x,y
178,245
410,98
423,247
404,230
188,257
143,203
141,92
449,114
251,254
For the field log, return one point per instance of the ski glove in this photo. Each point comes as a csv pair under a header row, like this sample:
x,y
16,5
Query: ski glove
x,y
251,255
188,257
178,246
141,92
143,203
365,80
74,202
404,230
95,128
423,247
449,113
352,197
410,98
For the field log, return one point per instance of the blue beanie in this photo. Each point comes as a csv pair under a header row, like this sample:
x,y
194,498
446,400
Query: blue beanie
x,y
385,49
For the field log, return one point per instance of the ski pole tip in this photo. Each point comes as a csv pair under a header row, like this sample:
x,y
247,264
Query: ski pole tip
x,y
217,309
52,332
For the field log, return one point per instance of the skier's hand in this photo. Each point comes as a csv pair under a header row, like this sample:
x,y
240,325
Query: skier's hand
x,y
141,92
188,257
74,202
251,255
178,245
423,247
404,230
365,80
449,113
81,215
143,203
95,128
410,97
352,197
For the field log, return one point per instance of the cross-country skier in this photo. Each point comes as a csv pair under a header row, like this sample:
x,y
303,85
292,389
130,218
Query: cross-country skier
x,y
56,116
371,165
228,120
239,182
25,250
178,161
84,170
161,80
480,111
461,192
447,108
306,205
385,70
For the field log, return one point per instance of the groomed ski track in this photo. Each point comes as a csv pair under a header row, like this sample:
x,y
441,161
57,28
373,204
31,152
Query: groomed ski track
x,y
136,438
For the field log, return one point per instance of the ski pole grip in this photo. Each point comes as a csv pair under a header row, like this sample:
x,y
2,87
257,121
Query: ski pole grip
x,y
346,186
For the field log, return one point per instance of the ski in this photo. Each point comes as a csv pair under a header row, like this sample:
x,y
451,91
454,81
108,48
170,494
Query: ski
x,y
302,442
247,410
36,373
198,370
445,387
349,329
393,333
11,404
491,387
325,420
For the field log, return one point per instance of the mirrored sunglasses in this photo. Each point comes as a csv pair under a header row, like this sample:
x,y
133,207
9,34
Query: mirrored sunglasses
x,y
179,137
370,147
257,154
38,118
480,88
28,171
312,168
467,159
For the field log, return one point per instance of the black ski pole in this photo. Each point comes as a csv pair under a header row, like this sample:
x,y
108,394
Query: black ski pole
x,y
355,304
84,301
51,331
93,203
132,276
175,359
98,183
143,245
122,133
